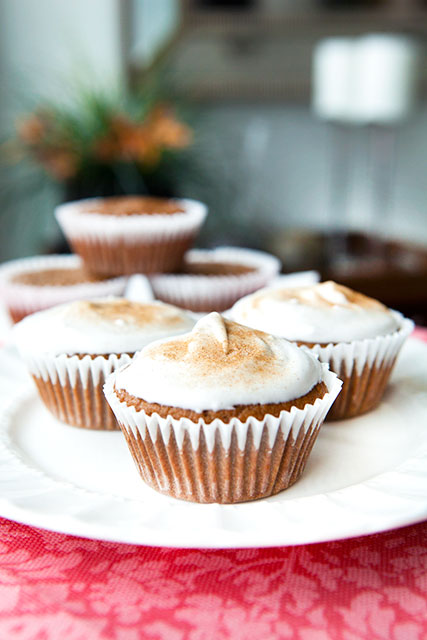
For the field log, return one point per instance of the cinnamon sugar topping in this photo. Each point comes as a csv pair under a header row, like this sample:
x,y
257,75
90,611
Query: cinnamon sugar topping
x,y
218,365
125,312
327,294
323,313
219,343
100,326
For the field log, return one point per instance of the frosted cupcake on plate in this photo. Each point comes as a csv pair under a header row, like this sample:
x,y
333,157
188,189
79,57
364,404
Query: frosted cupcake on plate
x,y
71,349
213,279
357,336
32,284
223,413
131,234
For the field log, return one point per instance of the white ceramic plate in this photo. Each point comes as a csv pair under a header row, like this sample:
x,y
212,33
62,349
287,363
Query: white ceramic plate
x,y
365,475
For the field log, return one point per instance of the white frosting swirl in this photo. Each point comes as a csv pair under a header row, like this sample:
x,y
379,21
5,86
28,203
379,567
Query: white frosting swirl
x,y
99,326
218,365
323,313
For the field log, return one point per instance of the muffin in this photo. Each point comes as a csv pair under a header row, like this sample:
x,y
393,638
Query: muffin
x,y
221,414
131,234
212,280
71,348
33,284
357,336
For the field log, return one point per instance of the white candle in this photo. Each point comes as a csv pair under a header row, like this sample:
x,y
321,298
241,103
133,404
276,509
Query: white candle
x,y
332,78
371,79
385,77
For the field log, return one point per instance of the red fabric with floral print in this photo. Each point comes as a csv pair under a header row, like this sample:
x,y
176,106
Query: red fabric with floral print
x,y
54,586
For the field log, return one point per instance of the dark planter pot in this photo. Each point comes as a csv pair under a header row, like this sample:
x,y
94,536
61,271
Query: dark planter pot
x,y
103,181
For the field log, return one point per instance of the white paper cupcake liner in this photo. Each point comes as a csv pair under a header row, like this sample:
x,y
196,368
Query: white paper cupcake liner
x,y
354,356
222,462
72,387
138,421
132,229
124,245
22,299
364,366
216,292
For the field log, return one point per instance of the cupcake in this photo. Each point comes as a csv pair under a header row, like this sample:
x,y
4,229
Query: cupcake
x,y
33,284
223,413
212,280
357,336
131,234
71,348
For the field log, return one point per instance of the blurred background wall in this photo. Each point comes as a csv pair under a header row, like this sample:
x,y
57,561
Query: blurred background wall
x,y
261,157
45,48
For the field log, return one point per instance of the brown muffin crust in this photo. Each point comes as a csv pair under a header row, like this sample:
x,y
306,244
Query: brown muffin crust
x,y
133,205
17,315
242,412
216,269
55,277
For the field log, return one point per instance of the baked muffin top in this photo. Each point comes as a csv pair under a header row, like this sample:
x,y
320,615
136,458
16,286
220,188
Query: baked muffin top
x,y
131,206
322,313
55,277
218,365
228,261
215,269
99,326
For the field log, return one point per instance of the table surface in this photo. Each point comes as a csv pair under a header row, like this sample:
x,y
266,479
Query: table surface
x,y
58,586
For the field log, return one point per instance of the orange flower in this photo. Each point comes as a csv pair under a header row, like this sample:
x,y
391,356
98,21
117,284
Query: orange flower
x,y
131,139
142,142
32,129
61,164
166,130
126,141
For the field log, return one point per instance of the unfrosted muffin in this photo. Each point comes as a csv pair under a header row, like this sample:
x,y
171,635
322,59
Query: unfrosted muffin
x,y
32,284
71,348
221,414
357,336
213,279
131,234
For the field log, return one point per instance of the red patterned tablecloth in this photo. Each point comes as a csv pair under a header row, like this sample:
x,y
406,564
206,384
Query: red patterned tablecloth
x,y
59,587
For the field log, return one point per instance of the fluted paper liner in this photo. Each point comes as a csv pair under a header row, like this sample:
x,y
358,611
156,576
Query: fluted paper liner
x,y
222,462
119,245
23,299
71,387
216,292
365,367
